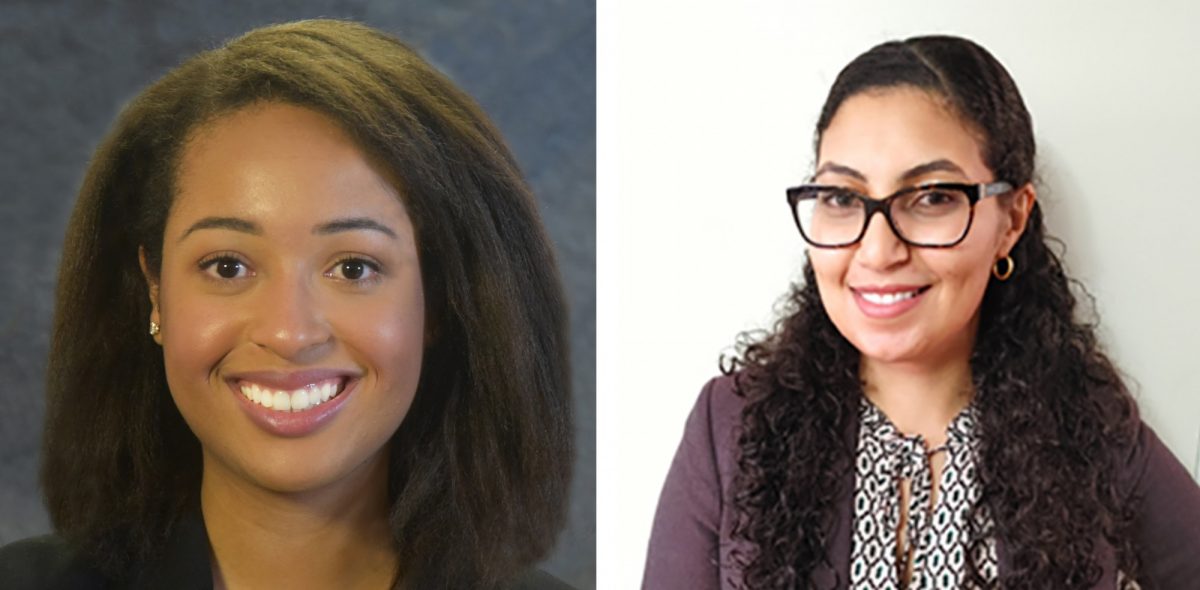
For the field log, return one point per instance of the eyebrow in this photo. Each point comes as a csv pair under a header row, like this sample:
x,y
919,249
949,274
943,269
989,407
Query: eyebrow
x,y
939,165
942,165
230,223
351,224
840,169
329,227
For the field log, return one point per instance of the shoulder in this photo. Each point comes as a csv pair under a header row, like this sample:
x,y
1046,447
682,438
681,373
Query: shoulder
x,y
713,425
718,409
536,579
45,562
1165,503
1145,462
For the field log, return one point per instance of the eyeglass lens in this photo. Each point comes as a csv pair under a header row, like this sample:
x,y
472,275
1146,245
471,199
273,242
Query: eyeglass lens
x,y
929,216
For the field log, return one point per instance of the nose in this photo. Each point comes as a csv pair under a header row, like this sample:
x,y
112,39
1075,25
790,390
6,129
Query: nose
x,y
881,248
288,320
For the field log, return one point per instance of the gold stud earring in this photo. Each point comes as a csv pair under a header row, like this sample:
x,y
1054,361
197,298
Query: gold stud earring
x,y
1010,266
154,328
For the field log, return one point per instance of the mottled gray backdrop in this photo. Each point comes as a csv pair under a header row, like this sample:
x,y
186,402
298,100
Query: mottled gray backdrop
x,y
67,67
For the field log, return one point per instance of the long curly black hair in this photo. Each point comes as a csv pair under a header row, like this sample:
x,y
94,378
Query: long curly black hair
x,y
1053,411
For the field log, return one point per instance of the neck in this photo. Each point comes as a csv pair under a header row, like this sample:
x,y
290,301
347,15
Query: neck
x,y
333,537
919,399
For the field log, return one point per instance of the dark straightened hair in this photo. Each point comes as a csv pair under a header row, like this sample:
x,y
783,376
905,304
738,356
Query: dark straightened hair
x,y
479,468
1053,411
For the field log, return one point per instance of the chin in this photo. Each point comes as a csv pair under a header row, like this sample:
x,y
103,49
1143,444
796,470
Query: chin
x,y
292,482
886,348
286,472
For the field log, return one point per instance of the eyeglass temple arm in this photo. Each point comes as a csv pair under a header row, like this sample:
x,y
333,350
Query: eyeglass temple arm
x,y
996,188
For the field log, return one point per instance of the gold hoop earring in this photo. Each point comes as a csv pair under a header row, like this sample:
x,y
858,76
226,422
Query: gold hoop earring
x,y
1010,266
154,329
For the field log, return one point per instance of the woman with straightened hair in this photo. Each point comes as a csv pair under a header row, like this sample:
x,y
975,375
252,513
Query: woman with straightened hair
x,y
309,334
930,413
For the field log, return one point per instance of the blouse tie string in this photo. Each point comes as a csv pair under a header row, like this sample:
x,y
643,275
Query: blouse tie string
x,y
887,457
911,461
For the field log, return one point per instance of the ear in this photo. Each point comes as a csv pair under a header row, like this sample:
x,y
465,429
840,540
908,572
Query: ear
x,y
1017,216
152,284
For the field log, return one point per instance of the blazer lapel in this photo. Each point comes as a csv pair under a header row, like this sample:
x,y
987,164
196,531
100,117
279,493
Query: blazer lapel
x,y
834,573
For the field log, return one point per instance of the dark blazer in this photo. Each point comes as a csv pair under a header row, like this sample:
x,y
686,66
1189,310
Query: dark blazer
x,y
47,563
691,540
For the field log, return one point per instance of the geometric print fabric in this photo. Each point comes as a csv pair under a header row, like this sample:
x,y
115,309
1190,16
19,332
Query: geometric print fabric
x,y
935,535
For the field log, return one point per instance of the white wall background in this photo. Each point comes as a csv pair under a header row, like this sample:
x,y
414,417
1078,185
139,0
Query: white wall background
x,y
706,115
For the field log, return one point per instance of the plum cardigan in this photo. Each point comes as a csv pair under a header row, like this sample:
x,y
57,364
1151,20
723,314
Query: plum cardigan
x,y
690,544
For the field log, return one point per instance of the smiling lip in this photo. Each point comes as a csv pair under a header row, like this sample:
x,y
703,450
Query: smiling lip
x,y
878,310
293,424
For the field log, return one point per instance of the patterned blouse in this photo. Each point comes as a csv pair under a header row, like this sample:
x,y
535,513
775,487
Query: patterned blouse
x,y
936,536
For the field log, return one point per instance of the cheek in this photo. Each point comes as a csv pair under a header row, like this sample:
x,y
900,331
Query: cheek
x,y
964,278
828,264
829,267
197,332
974,285
392,335
389,330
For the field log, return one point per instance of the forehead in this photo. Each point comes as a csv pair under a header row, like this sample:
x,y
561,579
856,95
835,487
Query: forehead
x,y
883,133
279,163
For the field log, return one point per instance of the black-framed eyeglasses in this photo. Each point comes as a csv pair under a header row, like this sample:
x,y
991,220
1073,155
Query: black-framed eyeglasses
x,y
934,215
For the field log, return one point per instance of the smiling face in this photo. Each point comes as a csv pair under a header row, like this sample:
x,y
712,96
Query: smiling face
x,y
289,275
897,303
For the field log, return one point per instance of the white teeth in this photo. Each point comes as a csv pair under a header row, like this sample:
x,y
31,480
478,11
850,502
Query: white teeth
x,y
887,298
301,399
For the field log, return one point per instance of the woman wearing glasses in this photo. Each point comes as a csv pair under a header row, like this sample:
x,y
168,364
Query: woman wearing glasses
x,y
930,414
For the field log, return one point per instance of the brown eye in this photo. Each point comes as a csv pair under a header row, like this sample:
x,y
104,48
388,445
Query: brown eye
x,y
838,200
937,199
228,268
225,268
355,270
